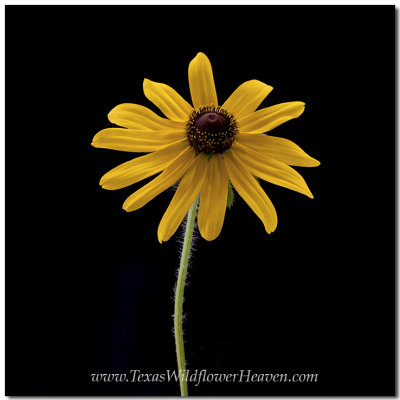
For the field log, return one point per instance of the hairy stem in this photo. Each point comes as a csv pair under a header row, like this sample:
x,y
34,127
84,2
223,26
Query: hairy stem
x,y
180,286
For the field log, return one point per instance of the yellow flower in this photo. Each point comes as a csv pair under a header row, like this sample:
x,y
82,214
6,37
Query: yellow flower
x,y
205,147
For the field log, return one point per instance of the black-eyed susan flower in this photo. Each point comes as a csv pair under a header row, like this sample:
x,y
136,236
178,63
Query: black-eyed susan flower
x,y
206,147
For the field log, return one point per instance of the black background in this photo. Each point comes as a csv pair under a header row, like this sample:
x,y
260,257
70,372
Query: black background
x,y
90,289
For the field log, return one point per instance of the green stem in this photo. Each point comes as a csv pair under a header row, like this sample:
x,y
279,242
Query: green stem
x,y
180,286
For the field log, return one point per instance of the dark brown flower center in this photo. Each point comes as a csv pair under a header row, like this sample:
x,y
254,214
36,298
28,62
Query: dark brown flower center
x,y
211,122
211,130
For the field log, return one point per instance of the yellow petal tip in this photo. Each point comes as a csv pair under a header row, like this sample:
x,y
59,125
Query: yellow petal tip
x,y
273,229
201,55
126,208
209,238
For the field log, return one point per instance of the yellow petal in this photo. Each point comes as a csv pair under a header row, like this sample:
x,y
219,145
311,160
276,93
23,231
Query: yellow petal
x,y
167,100
251,192
270,170
184,197
135,116
269,118
141,167
175,170
213,197
201,82
246,98
135,141
280,149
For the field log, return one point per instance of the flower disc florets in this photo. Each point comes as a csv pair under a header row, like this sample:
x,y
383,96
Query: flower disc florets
x,y
211,130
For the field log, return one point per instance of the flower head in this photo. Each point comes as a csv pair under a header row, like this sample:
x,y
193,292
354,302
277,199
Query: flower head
x,y
206,147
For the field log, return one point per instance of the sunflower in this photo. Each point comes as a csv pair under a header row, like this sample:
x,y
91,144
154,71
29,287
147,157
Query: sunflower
x,y
206,148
